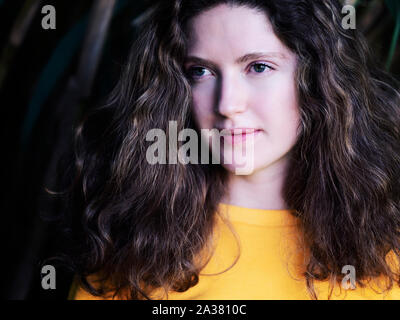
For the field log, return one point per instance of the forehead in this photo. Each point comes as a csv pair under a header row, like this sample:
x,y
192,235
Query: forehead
x,y
231,31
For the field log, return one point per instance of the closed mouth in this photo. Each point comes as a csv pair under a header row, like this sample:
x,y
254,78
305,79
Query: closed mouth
x,y
238,135
239,131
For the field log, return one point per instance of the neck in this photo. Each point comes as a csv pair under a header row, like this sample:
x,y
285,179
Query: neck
x,y
260,190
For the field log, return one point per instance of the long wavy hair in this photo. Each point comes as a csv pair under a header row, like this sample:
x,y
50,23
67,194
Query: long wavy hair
x,y
142,226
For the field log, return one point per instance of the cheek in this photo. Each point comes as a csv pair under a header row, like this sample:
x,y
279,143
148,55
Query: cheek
x,y
202,104
278,108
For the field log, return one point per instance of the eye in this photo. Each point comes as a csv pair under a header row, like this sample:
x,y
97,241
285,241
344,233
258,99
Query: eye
x,y
198,72
260,67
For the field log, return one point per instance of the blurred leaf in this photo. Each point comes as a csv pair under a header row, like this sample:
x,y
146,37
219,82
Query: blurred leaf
x,y
54,69
18,32
394,8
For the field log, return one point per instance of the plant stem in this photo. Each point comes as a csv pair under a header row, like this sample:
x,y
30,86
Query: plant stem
x,y
393,44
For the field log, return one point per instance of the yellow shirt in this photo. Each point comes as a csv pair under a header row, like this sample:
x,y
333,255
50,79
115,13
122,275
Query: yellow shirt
x,y
269,267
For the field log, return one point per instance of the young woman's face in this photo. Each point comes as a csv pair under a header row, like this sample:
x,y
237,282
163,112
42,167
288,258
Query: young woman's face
x,y
243,77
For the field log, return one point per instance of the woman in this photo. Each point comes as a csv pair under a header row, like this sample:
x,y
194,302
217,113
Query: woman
x,y
317,212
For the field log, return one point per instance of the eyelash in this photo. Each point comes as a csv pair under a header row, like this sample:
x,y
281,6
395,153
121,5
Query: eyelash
x,y
252,65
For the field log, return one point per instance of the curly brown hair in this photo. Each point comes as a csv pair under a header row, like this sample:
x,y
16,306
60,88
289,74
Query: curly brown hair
x,y
144,225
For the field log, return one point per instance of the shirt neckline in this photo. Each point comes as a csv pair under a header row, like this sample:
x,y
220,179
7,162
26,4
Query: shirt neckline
x,y
261,217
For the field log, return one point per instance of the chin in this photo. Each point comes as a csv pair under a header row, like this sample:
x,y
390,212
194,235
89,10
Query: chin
x,y
252,166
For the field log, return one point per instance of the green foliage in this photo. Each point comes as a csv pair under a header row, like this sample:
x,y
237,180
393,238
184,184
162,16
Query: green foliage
x,y
394,8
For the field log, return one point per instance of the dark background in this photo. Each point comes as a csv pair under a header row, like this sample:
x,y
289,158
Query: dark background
x,y
48,80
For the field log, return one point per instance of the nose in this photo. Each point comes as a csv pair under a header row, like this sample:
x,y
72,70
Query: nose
x,y
231,96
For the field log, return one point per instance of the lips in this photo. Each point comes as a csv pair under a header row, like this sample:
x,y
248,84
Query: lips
x,y
238,135
239,131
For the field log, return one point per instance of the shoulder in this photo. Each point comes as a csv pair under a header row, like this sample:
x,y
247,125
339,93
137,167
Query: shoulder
x,y
78,292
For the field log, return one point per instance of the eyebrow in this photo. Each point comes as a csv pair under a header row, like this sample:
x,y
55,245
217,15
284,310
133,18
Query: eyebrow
x,y
242,59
